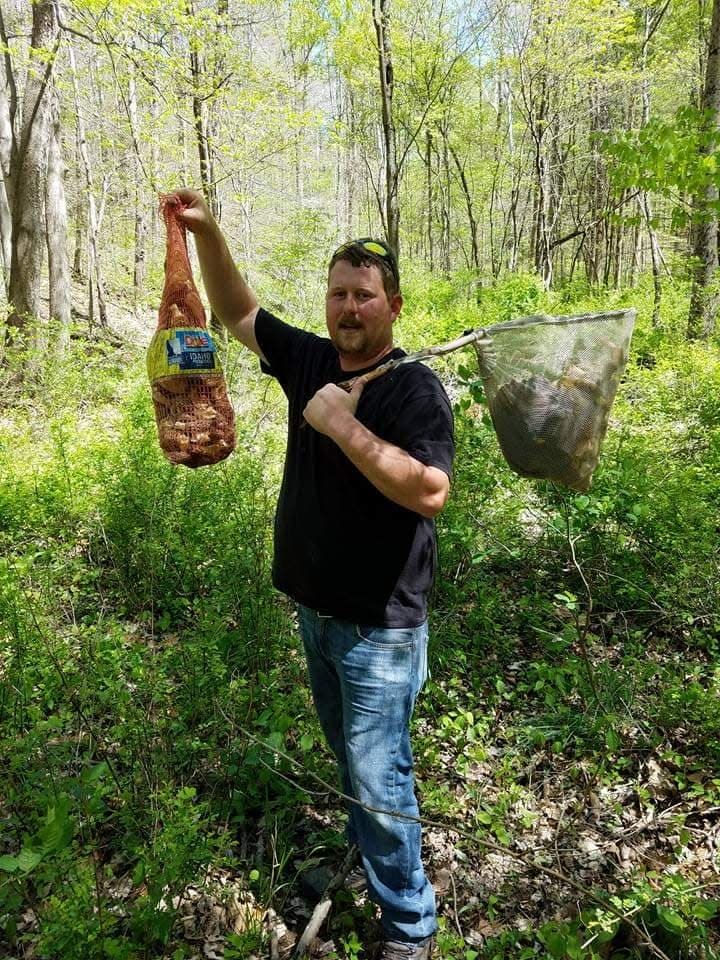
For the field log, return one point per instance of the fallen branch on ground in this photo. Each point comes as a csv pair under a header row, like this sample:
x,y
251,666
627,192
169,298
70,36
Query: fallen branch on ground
x,y
323,908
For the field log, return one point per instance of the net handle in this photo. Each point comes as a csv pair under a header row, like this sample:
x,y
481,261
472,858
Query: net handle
x,y
483,333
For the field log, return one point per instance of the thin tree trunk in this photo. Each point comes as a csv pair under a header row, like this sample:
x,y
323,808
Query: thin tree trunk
x,y
496,256
7,108
537,108
202,129
95,278
515,185
139,260
155,164
446,211
429,199
57,239
202,139
80,240
655,255
387,83
29,173
469,207
705,298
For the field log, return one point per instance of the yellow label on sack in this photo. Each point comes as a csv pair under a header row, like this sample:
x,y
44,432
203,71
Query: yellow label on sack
x,y
186,350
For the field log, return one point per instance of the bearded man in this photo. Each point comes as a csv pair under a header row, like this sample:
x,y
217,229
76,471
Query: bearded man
x,y
366,471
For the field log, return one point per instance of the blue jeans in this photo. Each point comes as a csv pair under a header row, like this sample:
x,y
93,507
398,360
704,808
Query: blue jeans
x,y
364,683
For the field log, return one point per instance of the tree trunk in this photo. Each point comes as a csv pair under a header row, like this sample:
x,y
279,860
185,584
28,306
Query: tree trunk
x,y
29,171
496,256
139,201
8,106
654,257
154,228
705,296
96,288
512,219
537,110
349,159
79,246
655,254
429,199
385,65
467,193
202,125
445,207
57,240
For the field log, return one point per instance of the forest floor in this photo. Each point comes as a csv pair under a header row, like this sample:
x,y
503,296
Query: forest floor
x,y
562,834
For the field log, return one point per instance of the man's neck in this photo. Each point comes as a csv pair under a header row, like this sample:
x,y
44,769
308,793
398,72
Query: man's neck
x,y
348,364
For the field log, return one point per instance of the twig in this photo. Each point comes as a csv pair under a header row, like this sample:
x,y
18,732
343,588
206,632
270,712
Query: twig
x,y
455,909
582,630
593,938
323,908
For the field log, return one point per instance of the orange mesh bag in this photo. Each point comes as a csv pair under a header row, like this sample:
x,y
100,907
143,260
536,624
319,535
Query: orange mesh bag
x,y
195,418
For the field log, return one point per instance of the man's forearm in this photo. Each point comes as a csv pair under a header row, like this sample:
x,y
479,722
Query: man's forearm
x,y
230,297
396,474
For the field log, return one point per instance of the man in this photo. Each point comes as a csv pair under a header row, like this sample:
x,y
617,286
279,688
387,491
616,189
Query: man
x,y
366,471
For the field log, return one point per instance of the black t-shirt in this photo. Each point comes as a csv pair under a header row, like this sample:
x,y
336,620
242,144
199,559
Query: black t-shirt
x,y
341,547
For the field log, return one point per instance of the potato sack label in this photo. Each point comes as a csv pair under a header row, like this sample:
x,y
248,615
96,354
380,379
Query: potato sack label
x,y
177,351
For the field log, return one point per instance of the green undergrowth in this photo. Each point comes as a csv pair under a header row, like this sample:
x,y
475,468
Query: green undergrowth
x,y
148,670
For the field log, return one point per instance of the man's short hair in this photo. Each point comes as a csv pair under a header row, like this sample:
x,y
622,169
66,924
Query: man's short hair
x,y
369,252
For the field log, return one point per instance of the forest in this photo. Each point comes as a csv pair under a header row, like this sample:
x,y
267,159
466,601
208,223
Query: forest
x,y
165,788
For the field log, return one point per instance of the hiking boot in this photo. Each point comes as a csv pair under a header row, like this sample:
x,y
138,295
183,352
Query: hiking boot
x,y
356,880
313,882
397,950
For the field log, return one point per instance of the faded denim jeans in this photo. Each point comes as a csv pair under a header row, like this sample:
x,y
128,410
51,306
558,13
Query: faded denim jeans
x,y
364,683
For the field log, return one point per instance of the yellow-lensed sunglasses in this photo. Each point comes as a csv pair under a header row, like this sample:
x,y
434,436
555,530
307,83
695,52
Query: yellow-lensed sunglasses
x,y
372,246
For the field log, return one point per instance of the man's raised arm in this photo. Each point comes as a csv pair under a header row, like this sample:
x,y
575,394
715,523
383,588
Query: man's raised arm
x,y
231,299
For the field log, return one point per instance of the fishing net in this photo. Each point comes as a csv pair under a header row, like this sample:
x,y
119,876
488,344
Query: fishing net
x,y
195,419
550,383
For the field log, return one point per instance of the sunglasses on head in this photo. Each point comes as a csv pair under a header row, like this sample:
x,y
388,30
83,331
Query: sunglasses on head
x,y
372,246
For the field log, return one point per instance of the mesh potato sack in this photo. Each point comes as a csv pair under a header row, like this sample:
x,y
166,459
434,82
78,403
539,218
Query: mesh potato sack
x,y
550,384
195,419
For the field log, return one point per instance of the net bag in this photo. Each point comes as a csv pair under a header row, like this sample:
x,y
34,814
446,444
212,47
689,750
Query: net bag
x,y
550,383
195,419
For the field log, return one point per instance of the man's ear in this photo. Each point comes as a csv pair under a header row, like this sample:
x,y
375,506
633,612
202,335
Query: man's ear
x,y
396,303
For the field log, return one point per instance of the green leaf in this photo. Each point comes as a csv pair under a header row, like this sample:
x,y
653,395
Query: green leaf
x,y
670,919
58,828
555,942
9,864
93,773
28,859
605,936
705,909
306,742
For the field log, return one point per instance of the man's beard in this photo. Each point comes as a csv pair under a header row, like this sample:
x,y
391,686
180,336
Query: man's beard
x,y
351,338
